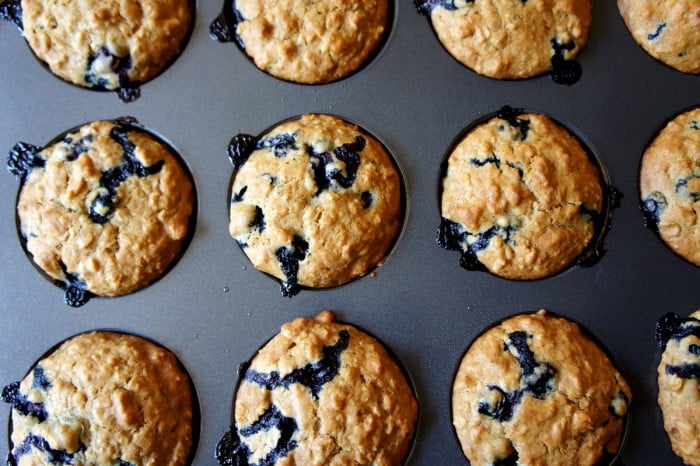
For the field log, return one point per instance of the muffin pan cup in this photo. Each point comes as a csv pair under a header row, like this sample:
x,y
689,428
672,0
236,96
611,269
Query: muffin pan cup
x,y
213,309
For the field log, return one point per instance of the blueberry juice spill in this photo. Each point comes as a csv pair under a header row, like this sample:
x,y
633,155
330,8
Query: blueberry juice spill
x,y
240,148
223,28
76,293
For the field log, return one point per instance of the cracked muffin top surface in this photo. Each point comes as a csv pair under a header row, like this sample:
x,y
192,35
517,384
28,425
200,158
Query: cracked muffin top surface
x,y
315,202
103,398
106,209
666,30
534,390
669,185
107,44
504,39
321,392
678,376
520,196
310,42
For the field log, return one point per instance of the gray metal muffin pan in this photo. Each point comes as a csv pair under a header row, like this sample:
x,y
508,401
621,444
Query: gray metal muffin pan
x,y
213,309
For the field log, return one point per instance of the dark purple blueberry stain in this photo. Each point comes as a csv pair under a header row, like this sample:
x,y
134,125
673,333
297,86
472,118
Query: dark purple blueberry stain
x,y
511,460
673,326
55,456
223,28
11,394
684,371
238,197
652,208
426,7
127,91
492,159
22,159
453,237
348,153
11,10
564,71
537,379
684,192
289,258
240,148
366,198
111,179
511,115
313,375
694,350
655,35
231,451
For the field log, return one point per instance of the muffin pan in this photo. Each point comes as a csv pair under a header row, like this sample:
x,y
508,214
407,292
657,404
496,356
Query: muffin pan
x,y
213,309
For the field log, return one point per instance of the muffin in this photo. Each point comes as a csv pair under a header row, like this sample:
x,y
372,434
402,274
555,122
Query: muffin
x,y
520,197
679,393
536,390
103,398
669,185
113,45
668,31
305,42
321,392
105,209
315,202
504,39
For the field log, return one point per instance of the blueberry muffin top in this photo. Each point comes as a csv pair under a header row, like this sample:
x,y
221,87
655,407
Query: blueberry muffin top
x,y
678,375
520,197
666,29
319,393
102,398
104,210
310,42
507,39
114,44
535,390
669,185
315,202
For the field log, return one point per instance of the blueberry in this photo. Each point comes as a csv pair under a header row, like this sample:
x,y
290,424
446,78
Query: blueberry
x,y
230,451
673,326
240,148
537,379
511,115
694,350
348,153
22,159
451,235
11,394
120,65
618,405
313,375
111,179
427,6
280,143
76,293
652,208
55,456
684,192
238,197
684,371
564,71
11,10
289,259
258,222
223,28
40,381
